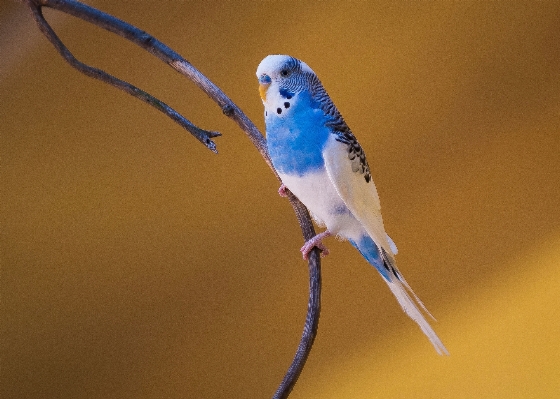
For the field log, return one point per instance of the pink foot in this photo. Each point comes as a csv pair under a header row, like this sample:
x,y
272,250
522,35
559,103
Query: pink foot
x,y
282,191
316,242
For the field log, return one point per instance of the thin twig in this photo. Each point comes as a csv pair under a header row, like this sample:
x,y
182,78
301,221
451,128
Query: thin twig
x,y
204,136
229,108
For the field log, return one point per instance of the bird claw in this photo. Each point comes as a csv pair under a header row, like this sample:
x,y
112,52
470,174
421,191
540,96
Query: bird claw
x,y
282,191
316,242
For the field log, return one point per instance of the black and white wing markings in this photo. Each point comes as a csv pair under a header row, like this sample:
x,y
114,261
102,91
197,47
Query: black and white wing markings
x,y
356,154
299,80
339,127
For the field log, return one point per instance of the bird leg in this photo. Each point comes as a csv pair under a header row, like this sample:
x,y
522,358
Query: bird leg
x,y
316,242
282,191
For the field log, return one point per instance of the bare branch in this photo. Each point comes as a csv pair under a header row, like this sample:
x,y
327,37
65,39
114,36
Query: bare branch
x,y
313,305
229,108
204,136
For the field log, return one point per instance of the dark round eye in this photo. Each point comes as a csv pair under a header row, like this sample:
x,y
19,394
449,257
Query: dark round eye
x,y
284,72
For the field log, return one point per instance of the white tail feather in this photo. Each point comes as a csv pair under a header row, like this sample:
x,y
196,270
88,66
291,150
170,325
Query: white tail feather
x,y
410,292
399,289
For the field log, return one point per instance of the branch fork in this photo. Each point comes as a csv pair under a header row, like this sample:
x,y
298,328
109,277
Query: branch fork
x,y
229,109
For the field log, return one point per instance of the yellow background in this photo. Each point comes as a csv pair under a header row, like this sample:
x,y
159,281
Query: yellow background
x,y
137,264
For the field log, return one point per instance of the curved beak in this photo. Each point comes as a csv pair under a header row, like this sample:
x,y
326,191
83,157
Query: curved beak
x,y
264,83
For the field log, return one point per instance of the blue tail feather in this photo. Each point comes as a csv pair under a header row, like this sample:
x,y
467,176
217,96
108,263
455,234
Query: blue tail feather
x,y
408,300
369,250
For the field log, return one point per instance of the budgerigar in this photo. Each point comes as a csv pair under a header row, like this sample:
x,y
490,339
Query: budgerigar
x,y
320,161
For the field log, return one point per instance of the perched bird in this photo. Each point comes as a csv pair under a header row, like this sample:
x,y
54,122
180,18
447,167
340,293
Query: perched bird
x,y
320,161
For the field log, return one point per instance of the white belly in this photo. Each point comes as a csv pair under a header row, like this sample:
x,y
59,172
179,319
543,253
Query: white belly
x,y
318,194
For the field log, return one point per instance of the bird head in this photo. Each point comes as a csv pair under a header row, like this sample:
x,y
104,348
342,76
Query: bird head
x,y
281,72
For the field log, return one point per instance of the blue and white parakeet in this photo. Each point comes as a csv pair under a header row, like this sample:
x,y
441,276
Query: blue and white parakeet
x,y
320,161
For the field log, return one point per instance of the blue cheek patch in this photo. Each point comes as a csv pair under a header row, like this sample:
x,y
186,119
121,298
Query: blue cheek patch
x,y
286,94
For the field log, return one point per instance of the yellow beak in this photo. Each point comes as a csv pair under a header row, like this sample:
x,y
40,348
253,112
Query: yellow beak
x,y
263,87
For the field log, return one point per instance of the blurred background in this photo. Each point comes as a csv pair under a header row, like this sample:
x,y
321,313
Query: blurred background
x,y
135,263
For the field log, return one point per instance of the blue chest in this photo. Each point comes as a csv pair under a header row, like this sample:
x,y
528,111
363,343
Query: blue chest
x,y
296,139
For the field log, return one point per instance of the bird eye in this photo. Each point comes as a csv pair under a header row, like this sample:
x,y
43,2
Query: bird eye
x,y
284,72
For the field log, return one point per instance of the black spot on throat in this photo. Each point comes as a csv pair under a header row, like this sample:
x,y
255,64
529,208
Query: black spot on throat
x,y
279,110
286,105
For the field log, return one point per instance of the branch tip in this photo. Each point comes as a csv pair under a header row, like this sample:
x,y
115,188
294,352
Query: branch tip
x,y
212,134
202,135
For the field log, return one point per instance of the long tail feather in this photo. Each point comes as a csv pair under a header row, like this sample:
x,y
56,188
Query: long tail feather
x,y
389,265
409,301
402,291
398,289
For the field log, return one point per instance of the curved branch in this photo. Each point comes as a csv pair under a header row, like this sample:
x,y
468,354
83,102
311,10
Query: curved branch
x,y
313,305
204,136
229,108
